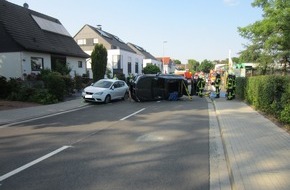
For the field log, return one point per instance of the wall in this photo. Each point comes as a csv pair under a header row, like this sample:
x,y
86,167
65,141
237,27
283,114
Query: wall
x,y
14,65
134,56
74,65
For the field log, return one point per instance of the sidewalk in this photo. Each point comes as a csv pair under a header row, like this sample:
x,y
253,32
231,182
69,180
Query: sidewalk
x,y
257,152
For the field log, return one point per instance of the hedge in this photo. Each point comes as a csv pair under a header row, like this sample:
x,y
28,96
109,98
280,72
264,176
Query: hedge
x,y
270,94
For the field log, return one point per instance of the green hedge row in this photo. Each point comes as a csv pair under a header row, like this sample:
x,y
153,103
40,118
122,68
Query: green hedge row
x,y
270,94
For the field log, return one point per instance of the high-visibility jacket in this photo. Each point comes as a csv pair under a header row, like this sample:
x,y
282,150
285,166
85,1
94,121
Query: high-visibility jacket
x,y
217,82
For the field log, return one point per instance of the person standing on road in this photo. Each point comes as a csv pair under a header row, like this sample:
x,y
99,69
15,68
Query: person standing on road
x,y
230,87
200,85
217,84
194,88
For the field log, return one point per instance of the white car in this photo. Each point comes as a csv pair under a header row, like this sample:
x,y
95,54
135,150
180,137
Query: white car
x,y
106,90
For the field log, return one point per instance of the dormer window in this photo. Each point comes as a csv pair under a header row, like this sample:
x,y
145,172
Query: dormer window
x,y
81,41
96,40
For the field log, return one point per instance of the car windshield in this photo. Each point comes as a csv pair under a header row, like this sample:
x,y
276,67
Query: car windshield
x,y
103,84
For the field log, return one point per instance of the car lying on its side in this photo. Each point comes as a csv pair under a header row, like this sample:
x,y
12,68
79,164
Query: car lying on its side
x,y
106,90
150,87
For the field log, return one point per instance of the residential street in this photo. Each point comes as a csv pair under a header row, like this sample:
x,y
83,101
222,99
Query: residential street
x,y
122,145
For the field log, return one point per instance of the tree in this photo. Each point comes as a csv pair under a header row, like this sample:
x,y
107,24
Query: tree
x,y
193,65
151,69
271,35
206,66
99,62
177,62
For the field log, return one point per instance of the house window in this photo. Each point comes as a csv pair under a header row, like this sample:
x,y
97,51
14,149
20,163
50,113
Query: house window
x,y
80,64
129,65
96,40
81,41
116,61
136,66
36,63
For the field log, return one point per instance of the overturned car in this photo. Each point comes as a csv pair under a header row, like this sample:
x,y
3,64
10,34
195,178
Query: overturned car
x,y
150,87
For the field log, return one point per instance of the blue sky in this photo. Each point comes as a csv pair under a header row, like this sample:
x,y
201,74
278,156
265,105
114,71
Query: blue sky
x,y
193,29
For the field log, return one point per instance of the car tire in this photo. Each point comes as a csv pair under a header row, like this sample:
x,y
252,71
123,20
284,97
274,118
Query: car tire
x,y
107,99
126,96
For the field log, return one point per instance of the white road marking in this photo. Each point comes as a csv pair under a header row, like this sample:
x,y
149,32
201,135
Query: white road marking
x,y
132,114
59,112
3,177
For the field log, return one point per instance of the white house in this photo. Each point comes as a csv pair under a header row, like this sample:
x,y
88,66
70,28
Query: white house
x,y
31,41
121,58
168,65
147,57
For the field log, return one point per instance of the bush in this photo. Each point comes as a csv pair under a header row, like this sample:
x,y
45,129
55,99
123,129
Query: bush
x,y
285,100
151,69
240,87
55,85
42,96
78,83
285,114
269,94
69,84
3,87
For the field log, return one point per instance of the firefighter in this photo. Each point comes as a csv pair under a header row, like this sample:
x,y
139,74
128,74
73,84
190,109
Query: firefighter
x,y
234,86
200,85
217,83
230,87
194,88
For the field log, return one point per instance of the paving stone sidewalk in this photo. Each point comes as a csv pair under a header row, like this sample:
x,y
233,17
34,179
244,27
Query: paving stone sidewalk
x,y
257,151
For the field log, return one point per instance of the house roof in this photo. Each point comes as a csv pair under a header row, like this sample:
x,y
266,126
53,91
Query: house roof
x,y
114,40
139,50
165,60
25,29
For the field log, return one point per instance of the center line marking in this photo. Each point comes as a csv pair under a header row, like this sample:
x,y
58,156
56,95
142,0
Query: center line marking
x,y
3,177
132,114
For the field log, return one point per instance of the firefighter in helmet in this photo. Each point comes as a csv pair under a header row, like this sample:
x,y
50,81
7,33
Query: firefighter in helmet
x,y
194,88
230,85
200,85
217,83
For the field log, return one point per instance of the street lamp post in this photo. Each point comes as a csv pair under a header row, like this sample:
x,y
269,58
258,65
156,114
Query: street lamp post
x,y
163,57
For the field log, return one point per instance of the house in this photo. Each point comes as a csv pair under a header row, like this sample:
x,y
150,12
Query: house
x,y
148,58
121,58
168,65
31,41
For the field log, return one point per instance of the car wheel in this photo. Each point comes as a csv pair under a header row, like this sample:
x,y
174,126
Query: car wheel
x,y
126,96
107,99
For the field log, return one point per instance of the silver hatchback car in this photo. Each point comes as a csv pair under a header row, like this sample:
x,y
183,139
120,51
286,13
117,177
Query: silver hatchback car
x,y
106,90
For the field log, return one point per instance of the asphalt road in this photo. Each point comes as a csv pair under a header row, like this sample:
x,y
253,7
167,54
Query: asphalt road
x,y
122,145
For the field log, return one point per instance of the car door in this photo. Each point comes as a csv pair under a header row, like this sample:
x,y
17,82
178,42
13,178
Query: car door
x,y
114,91
119,89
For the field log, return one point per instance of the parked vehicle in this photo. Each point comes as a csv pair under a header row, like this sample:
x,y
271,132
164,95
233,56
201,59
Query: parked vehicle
x,y
106,90
156,87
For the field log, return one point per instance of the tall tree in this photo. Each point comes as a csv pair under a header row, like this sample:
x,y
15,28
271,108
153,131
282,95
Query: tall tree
x,y
99,62
177,62
193,65
271,35
206,66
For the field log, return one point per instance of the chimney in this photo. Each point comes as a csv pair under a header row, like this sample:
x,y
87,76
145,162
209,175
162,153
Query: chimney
x,y
25,5
99,27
